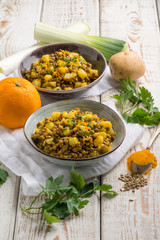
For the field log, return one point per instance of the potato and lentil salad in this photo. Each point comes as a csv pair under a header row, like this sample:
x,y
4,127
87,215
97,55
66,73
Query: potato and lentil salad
x,y
74,134
62,70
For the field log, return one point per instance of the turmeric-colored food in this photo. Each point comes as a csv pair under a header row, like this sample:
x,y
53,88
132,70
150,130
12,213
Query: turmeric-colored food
x,y
142,158
74,134
62,70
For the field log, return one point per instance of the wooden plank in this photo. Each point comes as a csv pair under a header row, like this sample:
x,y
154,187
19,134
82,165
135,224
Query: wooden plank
x,y
87,225
138,219
17,20
14,35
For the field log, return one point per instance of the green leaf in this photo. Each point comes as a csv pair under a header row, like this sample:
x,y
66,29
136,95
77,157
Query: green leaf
x,y
83,203
76,179
89,188
157,115
54,184
140,112
147,98
104,187
68,190
110,194
50,219
73,204
107,188
3,176
51,203
142,120
122,97
61,210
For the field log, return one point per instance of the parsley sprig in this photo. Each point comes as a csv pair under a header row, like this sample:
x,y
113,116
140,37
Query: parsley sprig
x,y
61,201
3,176
145,115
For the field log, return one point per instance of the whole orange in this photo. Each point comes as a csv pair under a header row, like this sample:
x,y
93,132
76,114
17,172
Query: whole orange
x,y
18,100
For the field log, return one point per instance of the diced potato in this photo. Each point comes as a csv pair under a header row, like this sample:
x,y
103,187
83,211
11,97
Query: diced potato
x,y
81,73
63,69
33,74
45,85
106,124
68,122
66,131
73,55
98,140
55,115
71,115
61,63
36,82
103,134
41,124
68,88
105,148
49,141
45,58
47,77
111,132
87,116
95,117
49,125
69,76
48,130
57,88
73,141
84,84
102,130
39,68
51,68
65,114
93,124
48,87
52,84
78,84
93,72
37,130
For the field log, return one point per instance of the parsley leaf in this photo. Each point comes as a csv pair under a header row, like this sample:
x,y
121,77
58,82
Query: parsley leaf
x,y
50,219
76,179
3,176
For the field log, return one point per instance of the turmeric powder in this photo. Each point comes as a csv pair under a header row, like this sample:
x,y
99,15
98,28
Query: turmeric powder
x,y
142,158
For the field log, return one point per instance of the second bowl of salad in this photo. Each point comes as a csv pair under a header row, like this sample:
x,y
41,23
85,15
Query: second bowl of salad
x,y
64,70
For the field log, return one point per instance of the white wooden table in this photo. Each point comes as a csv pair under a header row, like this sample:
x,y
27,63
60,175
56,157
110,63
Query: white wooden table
x,y
137,22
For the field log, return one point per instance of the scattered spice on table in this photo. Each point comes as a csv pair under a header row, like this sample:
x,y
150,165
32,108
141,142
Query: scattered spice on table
x,y
142,158
132,181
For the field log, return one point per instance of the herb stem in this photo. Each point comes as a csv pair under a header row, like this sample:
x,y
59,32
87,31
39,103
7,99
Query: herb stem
x,y
134,105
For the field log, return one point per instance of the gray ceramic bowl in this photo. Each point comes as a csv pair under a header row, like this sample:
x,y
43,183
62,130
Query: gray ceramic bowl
x,y
91,54
85,105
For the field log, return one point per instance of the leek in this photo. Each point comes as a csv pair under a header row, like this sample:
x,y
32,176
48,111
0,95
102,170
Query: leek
x,y
107,46
9,64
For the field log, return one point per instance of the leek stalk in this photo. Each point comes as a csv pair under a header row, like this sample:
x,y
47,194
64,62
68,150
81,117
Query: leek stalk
x,y
107,46
10,63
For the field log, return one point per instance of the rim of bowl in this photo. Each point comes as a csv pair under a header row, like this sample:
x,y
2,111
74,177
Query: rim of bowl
x,y
77,159
74,89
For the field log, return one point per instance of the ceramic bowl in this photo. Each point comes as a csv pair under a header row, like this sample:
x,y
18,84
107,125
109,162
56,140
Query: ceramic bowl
x,y
85,105
91,54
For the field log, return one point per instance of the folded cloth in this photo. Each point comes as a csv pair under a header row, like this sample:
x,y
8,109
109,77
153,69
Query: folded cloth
x,y
19,156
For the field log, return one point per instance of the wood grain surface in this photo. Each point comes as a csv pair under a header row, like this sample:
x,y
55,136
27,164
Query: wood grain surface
x,y
137,22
